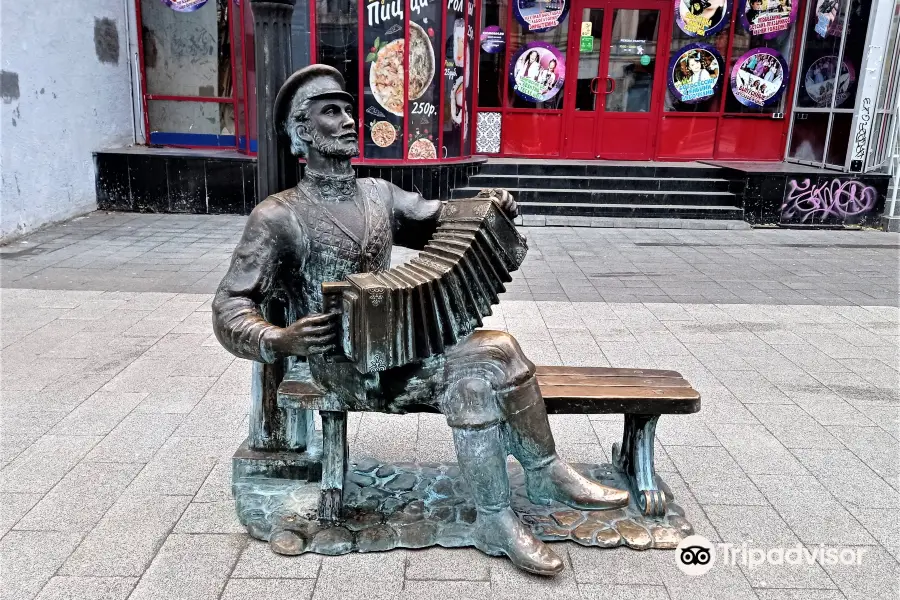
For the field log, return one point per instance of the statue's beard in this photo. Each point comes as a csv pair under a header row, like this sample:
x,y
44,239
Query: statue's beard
x,y
333,147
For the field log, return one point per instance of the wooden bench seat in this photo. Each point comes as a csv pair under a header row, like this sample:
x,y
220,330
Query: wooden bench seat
x,y
641,395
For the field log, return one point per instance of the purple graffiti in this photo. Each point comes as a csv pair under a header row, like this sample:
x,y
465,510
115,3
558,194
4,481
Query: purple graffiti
x,y
835,199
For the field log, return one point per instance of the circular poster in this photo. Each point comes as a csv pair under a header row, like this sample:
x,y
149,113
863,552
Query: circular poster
x,y
759,77
827,22
184,5
699,18
540,15
820,79
768,18
694,73
492,39
538,72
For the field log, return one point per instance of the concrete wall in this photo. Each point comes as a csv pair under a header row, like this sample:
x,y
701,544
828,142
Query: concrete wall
x,y
65,91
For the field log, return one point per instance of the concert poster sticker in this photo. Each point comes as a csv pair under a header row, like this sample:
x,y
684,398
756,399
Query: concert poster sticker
x,y
694,73
493,40
540,15
820,78
384,45
538,72
700,18
759,77
827,18
768,18
184,5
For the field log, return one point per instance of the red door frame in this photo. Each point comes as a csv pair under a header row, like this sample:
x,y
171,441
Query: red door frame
x,y
601,117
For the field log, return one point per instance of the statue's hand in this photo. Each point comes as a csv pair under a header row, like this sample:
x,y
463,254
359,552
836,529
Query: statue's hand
x,y
316,333
507,203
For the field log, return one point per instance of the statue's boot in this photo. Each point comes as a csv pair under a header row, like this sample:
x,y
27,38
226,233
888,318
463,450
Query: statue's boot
x,y
498,531
547,477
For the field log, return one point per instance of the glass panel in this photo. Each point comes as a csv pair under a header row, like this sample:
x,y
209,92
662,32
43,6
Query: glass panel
x,y
454,85
425,81
632,60
336,39
761,80
209,118
840,139
384,78
589,61
820,56
689,47
187,53
492,53
854,49
808,139
538,54
467,79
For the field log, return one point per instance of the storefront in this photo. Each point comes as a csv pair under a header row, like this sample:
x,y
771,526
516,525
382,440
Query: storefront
x,y
440,80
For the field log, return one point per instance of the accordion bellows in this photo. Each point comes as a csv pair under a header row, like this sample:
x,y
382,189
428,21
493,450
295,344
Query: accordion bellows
x,y
416,310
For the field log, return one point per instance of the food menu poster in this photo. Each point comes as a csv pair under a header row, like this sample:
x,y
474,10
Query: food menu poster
x,y
701,18
454,86
694,73
768,18
424,86
540,15
384,79
759,77
184,5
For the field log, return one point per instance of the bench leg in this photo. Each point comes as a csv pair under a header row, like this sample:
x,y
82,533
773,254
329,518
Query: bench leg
x,y
334,465
635,459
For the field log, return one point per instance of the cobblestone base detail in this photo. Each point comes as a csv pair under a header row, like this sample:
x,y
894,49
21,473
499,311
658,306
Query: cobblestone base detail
x,y
409,505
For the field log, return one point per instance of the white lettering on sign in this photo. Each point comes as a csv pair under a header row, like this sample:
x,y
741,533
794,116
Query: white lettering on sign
x,y
382,12
456,5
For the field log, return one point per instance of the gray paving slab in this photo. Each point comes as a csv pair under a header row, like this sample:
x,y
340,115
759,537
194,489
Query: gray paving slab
x,y
791,337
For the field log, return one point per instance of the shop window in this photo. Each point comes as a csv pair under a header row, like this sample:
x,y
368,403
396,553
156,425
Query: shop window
x,y
337,33
424,97
696,69
759,70
454,79
539,37
808,138
632,79
839,140
188,76
492,64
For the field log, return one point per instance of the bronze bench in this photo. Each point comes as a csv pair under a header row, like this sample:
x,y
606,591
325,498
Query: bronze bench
x,y
641,395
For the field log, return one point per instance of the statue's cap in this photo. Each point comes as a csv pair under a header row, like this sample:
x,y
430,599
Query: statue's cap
x,y
312,82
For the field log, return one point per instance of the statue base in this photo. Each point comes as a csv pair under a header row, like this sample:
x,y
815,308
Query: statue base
x,y
416,505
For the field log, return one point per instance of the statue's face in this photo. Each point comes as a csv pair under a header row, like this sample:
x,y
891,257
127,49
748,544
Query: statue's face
x,y
331,128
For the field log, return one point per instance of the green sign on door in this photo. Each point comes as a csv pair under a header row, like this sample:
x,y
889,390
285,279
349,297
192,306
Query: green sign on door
x,y
587,43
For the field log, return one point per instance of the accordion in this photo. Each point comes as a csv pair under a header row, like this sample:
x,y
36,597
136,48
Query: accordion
x,y
410,312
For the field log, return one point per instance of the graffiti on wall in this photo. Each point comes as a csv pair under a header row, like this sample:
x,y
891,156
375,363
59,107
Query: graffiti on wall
x,y
827,201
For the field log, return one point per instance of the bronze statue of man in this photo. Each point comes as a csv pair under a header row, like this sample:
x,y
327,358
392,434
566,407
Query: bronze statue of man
x,y
332,225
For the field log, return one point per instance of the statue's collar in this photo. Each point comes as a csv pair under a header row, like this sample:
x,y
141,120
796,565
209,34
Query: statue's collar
x,y
330,185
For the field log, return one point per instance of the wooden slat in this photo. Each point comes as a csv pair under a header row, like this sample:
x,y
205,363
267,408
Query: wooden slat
x,y
604,372
620,399
548,380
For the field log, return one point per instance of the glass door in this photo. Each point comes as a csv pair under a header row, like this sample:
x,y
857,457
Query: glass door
x,y
634,80
585,100
614,106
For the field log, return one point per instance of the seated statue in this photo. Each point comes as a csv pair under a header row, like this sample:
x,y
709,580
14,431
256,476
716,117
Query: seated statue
x,y
332,225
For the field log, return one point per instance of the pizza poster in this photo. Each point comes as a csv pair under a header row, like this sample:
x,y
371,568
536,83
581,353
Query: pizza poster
x,y
540,15
454,86
759,77
424,87
384,79
768,18
700,18
694,73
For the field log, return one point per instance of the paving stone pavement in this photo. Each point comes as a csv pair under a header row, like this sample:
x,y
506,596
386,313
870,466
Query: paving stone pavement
x,y
120,412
